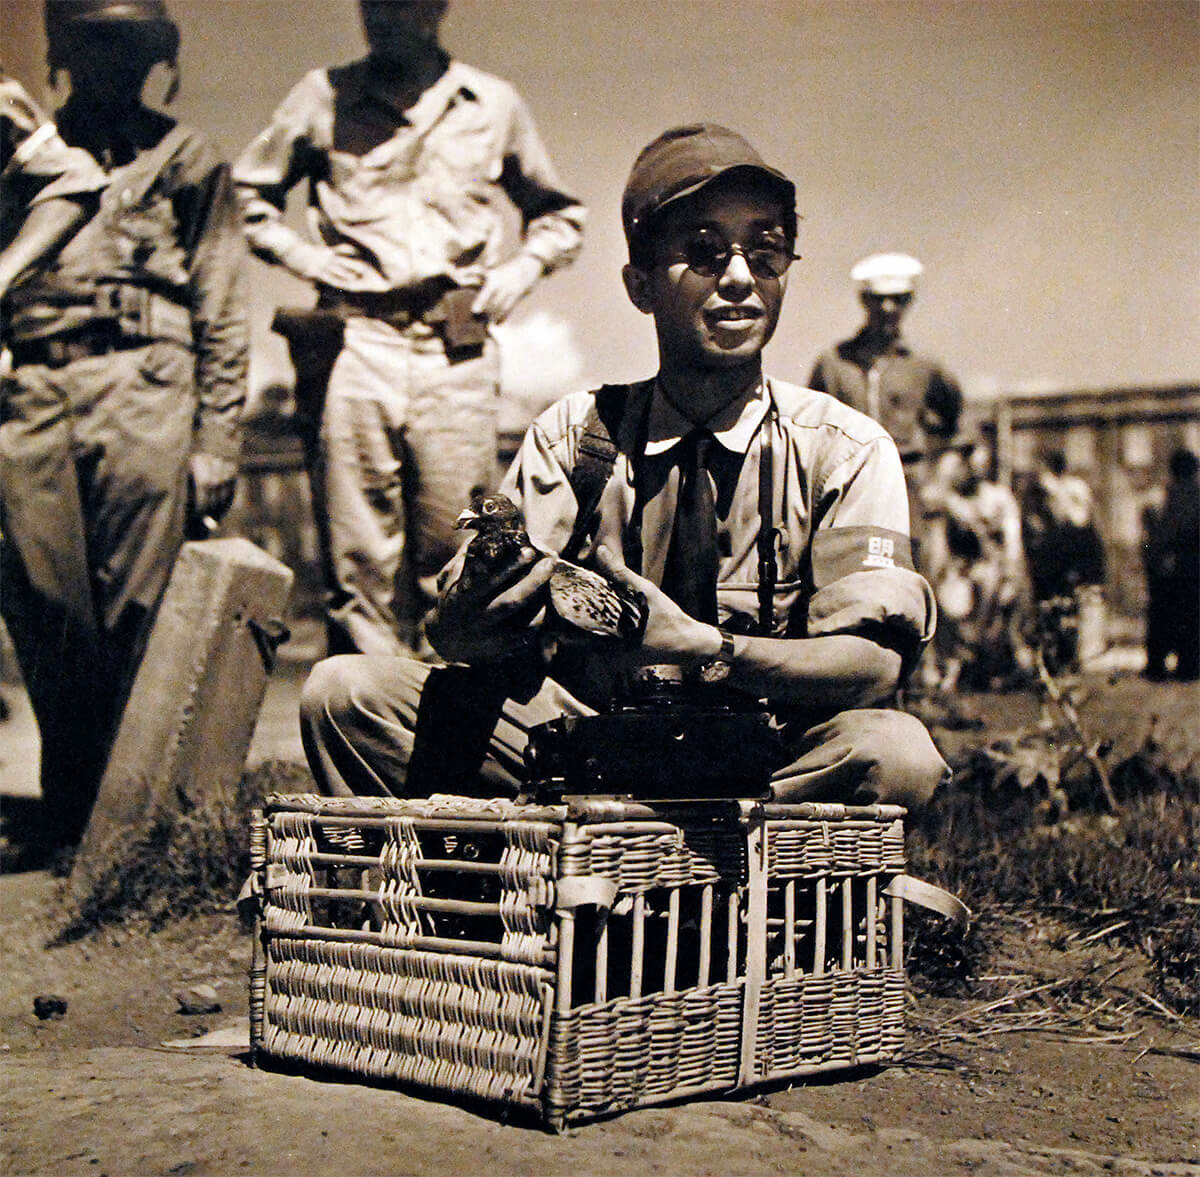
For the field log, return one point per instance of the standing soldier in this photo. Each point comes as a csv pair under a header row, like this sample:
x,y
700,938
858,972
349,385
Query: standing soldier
x,y
876,372
122,409
47,190
412,160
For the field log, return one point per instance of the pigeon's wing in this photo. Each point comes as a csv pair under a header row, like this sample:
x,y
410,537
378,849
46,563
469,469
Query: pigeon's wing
x,y
588,601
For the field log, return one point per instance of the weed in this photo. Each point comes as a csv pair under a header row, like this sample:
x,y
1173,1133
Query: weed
x,y
1141,867
188,863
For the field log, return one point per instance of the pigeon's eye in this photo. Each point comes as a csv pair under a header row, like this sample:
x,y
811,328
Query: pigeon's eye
x,y
489,508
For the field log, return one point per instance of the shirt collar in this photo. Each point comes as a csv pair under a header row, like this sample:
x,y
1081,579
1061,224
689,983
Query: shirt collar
x,y
451,85
357,86
861,345
734,426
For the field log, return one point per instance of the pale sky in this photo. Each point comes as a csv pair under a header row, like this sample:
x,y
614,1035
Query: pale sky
x,y
1039,156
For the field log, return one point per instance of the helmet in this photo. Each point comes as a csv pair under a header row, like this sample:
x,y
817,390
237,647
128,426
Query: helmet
x,y
149,19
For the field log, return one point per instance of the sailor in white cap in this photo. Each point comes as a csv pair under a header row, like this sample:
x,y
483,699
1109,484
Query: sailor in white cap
x,y
888,273
876,372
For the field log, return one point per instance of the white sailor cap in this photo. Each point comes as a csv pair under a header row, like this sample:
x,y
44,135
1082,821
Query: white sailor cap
x,y
887,273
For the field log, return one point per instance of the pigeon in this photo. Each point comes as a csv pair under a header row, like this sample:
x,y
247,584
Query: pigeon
x,y
580,598
499,537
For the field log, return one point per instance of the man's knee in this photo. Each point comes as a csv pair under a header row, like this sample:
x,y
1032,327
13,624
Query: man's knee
x,y
356,722
349,685
328,691
904,766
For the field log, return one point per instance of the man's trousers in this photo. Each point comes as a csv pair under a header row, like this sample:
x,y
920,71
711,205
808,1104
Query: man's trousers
x,y
93,497
407,434
358,718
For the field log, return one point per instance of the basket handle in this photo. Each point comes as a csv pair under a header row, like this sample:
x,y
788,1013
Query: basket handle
x,y
927,895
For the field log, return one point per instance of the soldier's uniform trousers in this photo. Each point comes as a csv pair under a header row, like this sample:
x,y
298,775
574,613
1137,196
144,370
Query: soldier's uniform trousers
x,y
93,498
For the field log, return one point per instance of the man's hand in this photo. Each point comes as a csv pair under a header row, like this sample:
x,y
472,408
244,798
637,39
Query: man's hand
x,y
505,286
482,620
342,269
213,481
671,635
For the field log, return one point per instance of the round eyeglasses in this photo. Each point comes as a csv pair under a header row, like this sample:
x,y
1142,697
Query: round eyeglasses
x,y
708,254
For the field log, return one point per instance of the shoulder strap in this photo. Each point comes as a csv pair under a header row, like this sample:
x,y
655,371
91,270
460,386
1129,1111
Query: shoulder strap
x,y
594,461
139,177
768,532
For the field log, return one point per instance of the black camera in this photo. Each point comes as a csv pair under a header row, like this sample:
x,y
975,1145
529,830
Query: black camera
x,y
664,737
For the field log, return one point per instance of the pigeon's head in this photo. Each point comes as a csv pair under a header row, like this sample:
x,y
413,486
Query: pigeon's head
x,y
489,512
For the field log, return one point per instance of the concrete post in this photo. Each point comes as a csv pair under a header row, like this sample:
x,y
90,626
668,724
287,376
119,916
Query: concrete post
x,y
191,713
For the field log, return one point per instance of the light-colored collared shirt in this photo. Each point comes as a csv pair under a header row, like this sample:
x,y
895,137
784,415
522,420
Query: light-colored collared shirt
x,y
838,500
419,193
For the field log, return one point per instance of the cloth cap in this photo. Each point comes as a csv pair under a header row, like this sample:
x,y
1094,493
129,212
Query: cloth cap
x,y
887,273
683,160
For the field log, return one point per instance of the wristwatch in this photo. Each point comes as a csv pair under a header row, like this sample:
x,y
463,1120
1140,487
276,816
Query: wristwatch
x,y
717,668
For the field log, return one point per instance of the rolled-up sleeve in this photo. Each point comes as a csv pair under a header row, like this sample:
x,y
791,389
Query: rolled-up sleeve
x,y
863,577
553,220
36,161
272,164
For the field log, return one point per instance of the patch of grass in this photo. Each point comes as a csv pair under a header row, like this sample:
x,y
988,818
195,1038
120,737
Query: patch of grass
x,y
1141,867
188,863
987,838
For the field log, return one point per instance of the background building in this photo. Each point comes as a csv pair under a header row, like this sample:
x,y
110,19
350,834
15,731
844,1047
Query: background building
x,y
1119,440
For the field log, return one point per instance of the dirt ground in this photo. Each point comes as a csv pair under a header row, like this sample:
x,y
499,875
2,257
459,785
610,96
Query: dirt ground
x,y
98,1091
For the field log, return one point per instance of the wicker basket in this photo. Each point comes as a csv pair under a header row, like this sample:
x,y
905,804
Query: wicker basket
x,y
577,959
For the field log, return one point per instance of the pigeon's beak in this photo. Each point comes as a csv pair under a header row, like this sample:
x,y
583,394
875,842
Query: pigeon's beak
x,y
467,519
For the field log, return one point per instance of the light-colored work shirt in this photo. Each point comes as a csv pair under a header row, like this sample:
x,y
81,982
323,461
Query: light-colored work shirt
x,y
838,500
418,193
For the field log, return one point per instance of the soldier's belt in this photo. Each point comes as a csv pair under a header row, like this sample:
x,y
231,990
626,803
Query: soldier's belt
x,y
145,314
117,316
94,339
399,307
437,302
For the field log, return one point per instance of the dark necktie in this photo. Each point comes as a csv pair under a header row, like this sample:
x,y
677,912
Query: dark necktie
x,y
690,574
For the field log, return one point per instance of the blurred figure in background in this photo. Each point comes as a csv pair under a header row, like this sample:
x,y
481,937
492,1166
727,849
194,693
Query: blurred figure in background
x,y
121,412
975,561
412,161
1061,540
1171,558
1066,561
876,372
